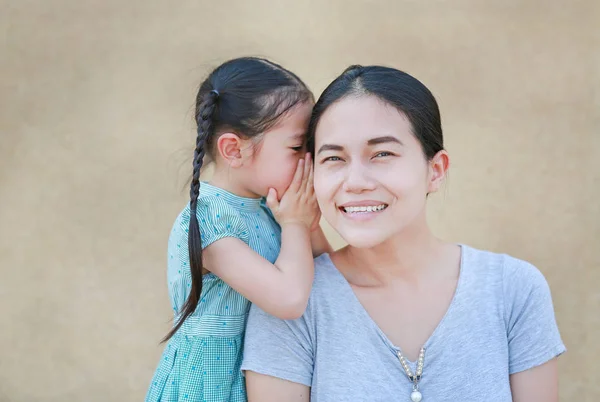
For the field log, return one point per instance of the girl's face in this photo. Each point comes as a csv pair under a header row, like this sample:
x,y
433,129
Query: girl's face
x,y
274,159
371,176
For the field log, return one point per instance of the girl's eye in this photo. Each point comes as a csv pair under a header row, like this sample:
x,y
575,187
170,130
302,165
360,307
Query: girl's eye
x,y
297,149
331,159
382,154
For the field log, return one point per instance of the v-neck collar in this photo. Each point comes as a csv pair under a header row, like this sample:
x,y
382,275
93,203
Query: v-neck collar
x,y
439,329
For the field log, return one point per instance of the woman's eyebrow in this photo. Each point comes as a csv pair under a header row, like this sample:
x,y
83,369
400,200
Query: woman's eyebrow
x,y
383,140
330,147
371,142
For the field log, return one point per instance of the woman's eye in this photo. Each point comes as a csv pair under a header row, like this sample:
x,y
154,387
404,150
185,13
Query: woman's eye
x,y
297,149
382,154
331,159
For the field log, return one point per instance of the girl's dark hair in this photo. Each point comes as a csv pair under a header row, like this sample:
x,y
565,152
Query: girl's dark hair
x,y
246,96
396,88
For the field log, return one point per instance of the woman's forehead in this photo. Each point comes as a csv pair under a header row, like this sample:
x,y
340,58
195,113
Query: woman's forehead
x,y
361,120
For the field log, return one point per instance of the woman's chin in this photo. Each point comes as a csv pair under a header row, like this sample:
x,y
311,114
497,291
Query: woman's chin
x,y
362,239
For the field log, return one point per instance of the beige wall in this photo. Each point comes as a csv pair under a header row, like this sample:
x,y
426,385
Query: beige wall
x,y
96,135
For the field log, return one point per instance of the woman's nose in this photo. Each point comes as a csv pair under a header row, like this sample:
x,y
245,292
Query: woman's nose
x,y
358,179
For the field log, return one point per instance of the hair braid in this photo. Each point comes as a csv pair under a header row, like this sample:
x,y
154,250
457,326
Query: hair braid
x,y
205,121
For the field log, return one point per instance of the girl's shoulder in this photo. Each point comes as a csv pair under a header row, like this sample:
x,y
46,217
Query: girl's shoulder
x,y
216,218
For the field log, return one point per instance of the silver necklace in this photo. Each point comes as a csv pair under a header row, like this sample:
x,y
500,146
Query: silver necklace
x,y
415,395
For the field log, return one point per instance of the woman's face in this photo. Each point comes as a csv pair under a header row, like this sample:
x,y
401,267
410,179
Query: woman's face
x,y
371,176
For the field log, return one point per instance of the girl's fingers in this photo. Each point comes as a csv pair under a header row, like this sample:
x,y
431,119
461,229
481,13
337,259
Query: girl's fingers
x,y
311,177
297,180
272,201
306,172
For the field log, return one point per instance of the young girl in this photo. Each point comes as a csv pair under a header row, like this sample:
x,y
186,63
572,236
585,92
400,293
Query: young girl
x,y
227,248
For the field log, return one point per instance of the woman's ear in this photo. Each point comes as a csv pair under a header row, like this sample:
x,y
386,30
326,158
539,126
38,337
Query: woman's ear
x,y
438,168
229,146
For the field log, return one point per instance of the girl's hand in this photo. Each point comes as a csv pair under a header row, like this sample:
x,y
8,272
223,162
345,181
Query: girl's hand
x,y
298,204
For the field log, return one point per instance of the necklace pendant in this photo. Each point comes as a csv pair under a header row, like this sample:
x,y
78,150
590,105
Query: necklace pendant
x,y
416,396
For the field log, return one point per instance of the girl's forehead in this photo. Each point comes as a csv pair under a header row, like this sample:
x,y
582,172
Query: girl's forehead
x,y
293,125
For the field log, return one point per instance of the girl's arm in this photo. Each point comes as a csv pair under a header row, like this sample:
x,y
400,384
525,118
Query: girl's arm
x,y
281,289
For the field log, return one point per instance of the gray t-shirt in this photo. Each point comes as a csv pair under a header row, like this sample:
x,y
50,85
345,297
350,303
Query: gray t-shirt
x,y
500,321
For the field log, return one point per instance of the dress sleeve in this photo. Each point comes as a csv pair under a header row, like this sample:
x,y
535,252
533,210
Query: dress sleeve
x,y
217,220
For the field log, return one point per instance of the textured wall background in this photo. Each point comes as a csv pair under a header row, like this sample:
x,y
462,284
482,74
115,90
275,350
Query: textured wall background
x,y
96,136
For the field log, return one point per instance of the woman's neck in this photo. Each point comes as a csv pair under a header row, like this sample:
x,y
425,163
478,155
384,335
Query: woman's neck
x,y
411,256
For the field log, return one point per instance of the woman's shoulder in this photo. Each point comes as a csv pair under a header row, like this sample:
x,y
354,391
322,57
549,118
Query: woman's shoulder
x,y
495,260
330,291
327,275
515,274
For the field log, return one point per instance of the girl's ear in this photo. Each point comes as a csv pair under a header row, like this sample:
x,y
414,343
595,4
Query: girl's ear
x,y
229,146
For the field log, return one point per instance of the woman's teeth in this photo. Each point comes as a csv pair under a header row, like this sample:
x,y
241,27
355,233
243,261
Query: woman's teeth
x,y
370,208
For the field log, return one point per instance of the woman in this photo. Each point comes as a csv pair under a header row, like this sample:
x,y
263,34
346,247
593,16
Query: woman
x,y
399,315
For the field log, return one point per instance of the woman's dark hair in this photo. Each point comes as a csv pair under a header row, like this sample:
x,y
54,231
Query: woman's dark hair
x,y
246,96
396,88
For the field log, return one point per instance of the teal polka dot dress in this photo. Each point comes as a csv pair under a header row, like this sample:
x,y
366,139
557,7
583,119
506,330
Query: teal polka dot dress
x,y
201,362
